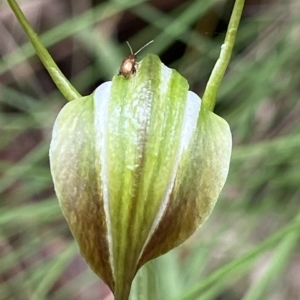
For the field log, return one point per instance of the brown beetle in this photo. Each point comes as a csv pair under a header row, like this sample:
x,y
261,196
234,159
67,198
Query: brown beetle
x,y
129,64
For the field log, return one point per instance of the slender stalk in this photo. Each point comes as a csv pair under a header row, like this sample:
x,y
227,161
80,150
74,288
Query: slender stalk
x,y
145,285
62,83
209,97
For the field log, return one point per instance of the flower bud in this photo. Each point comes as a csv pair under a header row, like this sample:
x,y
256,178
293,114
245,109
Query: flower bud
x,y
137,168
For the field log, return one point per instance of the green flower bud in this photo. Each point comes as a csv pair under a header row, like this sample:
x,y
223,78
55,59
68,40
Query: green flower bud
x,y
137,168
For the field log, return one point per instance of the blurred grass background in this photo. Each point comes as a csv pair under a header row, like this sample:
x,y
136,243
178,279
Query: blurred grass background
x,y
249,247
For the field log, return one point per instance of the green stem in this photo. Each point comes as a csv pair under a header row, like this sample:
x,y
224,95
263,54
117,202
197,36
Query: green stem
x,y
63,84
144,285
209,97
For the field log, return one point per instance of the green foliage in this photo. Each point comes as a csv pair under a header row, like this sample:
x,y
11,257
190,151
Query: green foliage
x,y
248,248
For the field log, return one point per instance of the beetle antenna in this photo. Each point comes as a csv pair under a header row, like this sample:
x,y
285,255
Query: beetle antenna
x,y
142,48
129,47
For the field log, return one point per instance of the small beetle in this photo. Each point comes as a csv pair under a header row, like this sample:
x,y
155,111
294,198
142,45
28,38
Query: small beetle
x,y
129,64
